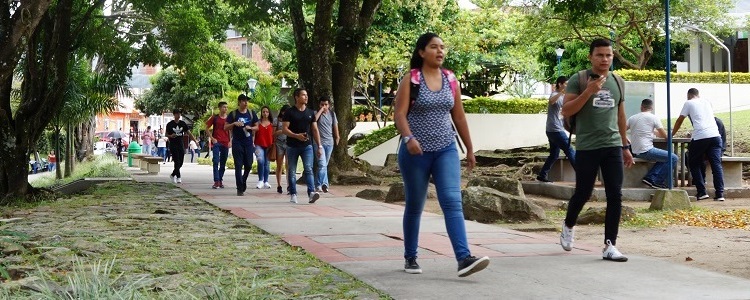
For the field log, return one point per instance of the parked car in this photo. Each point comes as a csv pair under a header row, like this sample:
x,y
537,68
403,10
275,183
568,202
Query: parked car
x,y
102,148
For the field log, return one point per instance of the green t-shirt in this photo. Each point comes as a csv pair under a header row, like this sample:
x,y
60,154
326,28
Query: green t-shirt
x,y
596,122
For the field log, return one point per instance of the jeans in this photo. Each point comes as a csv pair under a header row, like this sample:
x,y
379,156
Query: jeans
x,y
445,169
178,157
557,141
293,153
264,165
163,153
709,148
610,161
243,157
220,161
147,149
323,161
659,173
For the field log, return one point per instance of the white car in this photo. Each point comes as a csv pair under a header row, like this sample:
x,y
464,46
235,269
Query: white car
x,y
101,148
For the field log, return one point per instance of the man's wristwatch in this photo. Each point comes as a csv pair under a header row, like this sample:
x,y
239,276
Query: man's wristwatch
x,y
407,139
625,147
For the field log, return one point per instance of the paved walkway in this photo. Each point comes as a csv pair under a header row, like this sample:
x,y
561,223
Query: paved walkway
x,y
364,238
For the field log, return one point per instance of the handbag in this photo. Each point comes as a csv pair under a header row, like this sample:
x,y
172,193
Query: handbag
x,y
272,152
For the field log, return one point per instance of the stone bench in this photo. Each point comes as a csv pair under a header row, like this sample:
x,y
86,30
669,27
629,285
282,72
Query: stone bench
x,y
562,170
732,167
137,158
153,164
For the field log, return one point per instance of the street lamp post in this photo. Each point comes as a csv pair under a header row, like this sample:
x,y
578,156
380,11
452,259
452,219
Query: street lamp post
x,y
729,71
251,83
559,52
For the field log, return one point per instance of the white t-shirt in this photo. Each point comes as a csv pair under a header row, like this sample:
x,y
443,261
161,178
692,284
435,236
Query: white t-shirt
x,y
642,127
192,145
162,143
701,114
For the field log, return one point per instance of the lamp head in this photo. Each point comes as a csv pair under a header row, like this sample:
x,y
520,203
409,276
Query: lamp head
x,y
559,52
251,83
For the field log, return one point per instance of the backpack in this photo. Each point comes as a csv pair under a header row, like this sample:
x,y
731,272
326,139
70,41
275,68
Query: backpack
x,y
569,123
414,93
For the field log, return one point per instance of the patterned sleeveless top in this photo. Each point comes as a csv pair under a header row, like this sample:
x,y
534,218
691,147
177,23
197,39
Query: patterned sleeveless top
x,y
430,118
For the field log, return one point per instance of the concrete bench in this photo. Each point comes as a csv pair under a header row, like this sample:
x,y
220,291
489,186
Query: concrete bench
x,y
153,164
137,158
562,170
732,167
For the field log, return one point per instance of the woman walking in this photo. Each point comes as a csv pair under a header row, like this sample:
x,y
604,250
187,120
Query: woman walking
x,y
263,144
428,149
280,147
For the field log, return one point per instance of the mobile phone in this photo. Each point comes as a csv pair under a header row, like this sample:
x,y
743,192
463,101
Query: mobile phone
x,y
594,76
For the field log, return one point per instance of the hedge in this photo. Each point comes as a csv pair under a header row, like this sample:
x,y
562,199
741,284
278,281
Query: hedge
x,y
703,77
485,105
374,139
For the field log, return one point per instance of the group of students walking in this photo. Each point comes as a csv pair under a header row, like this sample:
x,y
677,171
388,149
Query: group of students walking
x,y
290,136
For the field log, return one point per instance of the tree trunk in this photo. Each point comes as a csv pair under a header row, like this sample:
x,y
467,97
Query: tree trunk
x,y
352,26
68,151
84,139
47,54
60,158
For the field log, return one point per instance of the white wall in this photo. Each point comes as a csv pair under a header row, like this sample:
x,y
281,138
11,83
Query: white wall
x,y
488,132
717,93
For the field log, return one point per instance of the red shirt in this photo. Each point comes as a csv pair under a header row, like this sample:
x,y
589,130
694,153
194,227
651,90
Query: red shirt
x,y
221,135
264,136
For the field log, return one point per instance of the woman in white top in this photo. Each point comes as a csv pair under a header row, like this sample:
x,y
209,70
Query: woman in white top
x,y
193,150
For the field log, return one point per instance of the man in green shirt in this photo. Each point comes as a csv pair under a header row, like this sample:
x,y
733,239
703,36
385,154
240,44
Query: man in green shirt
x,y
601,143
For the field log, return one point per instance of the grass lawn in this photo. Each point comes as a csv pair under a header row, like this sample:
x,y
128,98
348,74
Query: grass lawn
x,y
127,240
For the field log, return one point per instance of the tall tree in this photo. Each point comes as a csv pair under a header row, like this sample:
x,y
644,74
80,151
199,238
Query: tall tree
x,y
153,32
327,39
632,24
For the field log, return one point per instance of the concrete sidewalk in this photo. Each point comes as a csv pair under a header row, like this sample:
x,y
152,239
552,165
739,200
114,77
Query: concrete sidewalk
x,y
364,238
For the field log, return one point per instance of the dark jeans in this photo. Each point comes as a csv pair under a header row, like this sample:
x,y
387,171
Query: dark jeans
x,y
557,141
243,158
178,156
610,161
219,161
710,149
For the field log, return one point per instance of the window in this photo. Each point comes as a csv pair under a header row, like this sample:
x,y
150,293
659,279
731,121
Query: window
x,y
247,50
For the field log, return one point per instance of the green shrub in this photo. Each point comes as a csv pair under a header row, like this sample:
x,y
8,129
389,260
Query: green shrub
x,y
102,166
703,77
374,139
485,105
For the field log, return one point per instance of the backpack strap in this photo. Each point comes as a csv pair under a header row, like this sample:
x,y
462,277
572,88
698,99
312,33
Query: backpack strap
x,y
620,85
583,76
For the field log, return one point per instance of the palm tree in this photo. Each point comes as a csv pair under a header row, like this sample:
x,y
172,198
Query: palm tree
x,y
88,94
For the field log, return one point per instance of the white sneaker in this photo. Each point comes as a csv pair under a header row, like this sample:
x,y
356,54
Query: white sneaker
x,y
611,253
294,199
179,180
259,185
173,178
566,238
266,185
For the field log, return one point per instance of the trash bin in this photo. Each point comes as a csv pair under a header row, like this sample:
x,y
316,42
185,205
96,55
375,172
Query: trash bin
x,y
133,149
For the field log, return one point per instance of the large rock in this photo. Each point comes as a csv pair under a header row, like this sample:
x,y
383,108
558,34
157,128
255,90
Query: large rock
x,y
355,137
503,184
357,180
596,215
391,160
487,205
371,194
395,193
670,200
